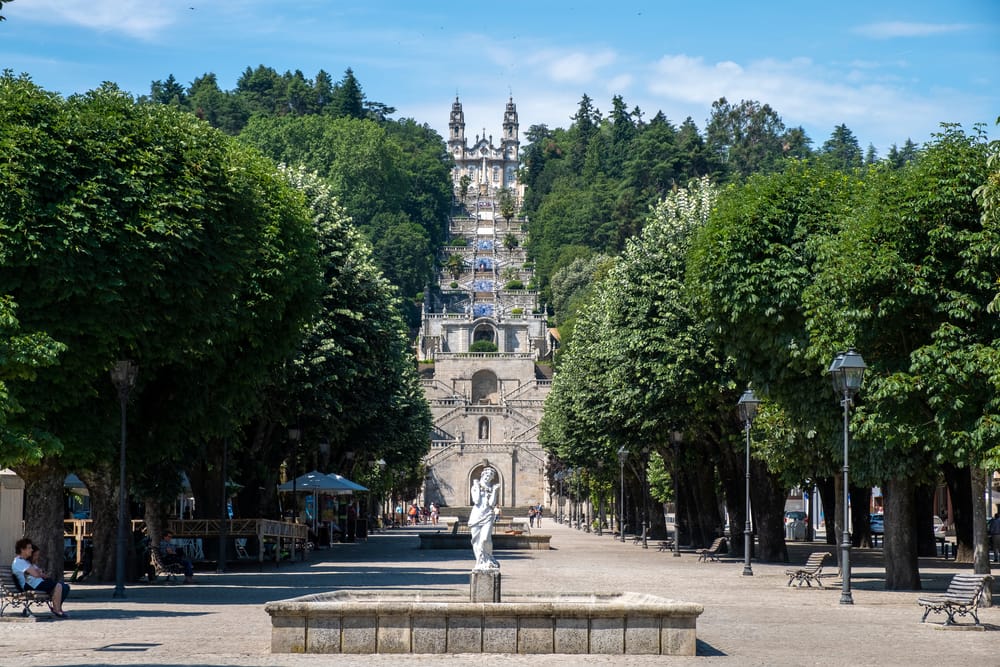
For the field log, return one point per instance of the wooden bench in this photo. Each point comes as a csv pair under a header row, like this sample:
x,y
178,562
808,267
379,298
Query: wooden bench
x,y
14,596
712,552
666,545
962,598
809,572
163,569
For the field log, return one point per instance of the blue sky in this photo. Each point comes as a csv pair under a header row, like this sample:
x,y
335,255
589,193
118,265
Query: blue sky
x,y
890,70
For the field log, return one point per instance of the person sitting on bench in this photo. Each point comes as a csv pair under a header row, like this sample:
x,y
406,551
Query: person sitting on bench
x,y
32,577
171,554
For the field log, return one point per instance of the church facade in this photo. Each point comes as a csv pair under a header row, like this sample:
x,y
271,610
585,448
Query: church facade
x,y
489,168
483,342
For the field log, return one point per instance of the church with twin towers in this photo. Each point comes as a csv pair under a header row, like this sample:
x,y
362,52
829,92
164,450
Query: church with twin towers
x,y
484,346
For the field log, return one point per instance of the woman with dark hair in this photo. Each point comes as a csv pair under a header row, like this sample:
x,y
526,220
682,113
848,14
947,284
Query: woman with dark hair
x,y
30,575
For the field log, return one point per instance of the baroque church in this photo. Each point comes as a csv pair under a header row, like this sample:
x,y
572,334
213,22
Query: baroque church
x,y
486,405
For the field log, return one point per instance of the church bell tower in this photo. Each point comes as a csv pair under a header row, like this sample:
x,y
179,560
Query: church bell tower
x,y
456,129
510,143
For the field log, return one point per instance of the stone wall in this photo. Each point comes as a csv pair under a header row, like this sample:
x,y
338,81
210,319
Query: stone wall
x,y
359,623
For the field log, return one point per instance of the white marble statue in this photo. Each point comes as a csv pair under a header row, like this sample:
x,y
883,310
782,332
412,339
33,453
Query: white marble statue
x,y
482,518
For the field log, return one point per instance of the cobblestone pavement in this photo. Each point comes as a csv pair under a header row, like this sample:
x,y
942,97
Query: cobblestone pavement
x,y
756,620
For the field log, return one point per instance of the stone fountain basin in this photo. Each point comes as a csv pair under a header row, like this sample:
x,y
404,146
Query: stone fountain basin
x,y
443,622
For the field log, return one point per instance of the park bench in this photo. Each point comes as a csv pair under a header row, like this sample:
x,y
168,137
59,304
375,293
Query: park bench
x,y
666,545
13,595
639,537
164,569
713,551
962,598
809,572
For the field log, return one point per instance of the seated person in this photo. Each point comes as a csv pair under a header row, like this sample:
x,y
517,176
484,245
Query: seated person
x,y
32,577
336,532
172,554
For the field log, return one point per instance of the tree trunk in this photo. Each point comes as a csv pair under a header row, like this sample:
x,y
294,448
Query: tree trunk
x,y
981,557
924,509
44,507
861,501
701,477
901,568
767,498
155,517
828,496
732,480
959,484
103,488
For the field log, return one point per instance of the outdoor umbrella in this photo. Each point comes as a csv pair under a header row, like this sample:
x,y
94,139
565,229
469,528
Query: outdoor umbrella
x,y
346,483
317,481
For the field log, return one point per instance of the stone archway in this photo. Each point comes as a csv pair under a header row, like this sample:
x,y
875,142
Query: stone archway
x,y
485,388
484,332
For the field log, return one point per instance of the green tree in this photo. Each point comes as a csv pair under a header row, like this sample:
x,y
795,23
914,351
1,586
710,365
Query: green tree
x,y
508,205
352,375
221,110
347,100
463,187
404,253
21,355
746,137
586,126
153,237
841,150
455,265
750,265
168,92
356,157
911,267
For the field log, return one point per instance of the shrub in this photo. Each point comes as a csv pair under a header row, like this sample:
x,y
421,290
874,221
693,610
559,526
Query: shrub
x,y
453,284
483,346
514,284
517,311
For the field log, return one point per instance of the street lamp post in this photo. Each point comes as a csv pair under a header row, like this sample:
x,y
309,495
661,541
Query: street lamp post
x,y
559,495
747,405
293,436
224,515
381,472
676,438
123,376
645,497
847,372
622,455
600,499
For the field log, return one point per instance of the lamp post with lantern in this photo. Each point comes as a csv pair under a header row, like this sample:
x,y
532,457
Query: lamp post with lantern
x,y
748,406
622,455
847,372
294,434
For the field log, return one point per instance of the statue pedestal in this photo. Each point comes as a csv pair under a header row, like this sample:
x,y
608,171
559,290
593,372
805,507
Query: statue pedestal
x,y
484,586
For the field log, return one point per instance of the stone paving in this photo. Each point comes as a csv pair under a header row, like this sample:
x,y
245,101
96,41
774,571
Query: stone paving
x,y
747,621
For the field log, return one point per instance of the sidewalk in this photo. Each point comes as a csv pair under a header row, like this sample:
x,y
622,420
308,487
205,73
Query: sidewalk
x,y
747,621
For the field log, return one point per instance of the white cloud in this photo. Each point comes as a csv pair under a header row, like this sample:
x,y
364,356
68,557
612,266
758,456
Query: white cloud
x,y
804,93
143,19
576,67
891,29
620,84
